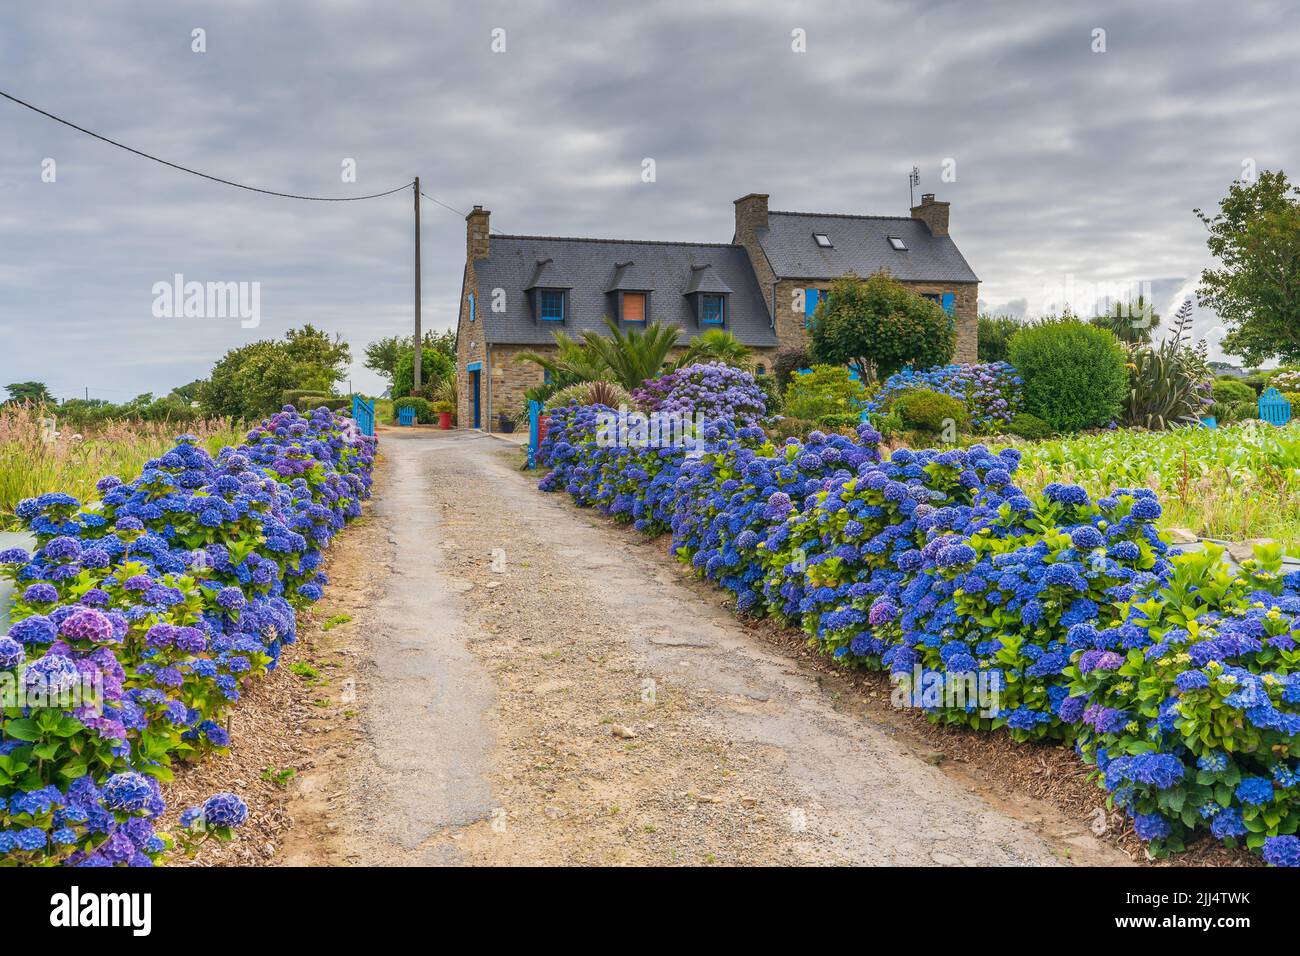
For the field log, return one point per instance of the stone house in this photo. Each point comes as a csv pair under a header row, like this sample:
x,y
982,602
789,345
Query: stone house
x,y
762,287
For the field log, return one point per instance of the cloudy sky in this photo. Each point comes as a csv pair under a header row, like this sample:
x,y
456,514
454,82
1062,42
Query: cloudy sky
x,y
1076,171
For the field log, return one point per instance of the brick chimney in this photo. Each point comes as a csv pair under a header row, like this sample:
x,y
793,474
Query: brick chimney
x,y
751,215
477,243
934,214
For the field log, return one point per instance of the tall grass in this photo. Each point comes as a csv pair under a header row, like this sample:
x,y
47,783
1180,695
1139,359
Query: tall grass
x,y
33,461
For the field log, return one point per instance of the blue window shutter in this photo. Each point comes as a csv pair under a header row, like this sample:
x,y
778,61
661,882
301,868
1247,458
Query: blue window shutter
x,y
949,303
809,306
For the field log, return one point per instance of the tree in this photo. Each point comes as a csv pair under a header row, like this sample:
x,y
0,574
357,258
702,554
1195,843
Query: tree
x,y
248,382
382,355
626,358
572,362
634,356
716,345
877,326
1133,323
34,392
1256,292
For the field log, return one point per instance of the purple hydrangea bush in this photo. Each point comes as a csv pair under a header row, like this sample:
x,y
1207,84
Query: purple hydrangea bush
x,y
990,391
709,389
1176,674
170,593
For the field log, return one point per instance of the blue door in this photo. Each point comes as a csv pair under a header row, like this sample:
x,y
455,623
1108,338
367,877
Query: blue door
x,y
474,388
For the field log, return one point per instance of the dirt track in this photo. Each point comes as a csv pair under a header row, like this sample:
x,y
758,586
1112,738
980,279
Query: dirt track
x,y
522,683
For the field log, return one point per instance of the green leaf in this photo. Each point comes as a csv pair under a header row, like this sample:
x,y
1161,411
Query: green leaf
x,y
23,729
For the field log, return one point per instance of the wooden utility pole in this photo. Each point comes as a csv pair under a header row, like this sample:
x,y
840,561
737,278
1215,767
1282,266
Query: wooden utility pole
x,y
419,338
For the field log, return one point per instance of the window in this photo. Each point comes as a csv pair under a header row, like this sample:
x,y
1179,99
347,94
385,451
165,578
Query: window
x,y
633,306
898,244
552,305
761,369
471,306
711,310
822,239
546,376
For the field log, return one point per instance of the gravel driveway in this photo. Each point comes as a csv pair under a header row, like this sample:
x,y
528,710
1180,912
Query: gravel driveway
x,y
533,685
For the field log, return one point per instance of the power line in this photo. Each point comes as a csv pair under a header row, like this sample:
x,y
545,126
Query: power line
x,y
452,209
195,172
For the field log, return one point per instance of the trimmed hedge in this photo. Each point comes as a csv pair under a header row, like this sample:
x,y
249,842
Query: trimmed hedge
x,y
1175,674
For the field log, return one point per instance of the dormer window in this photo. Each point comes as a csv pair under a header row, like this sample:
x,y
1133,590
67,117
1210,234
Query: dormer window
x,y
713,309
898,243
634,306
823,240
551,305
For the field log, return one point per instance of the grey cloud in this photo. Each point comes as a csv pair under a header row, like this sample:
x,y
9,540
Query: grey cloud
x,y
1070,164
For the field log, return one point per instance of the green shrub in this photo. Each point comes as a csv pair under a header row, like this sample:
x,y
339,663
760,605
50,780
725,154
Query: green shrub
x,y
1228,390
837,422
435,367
1243,411
610,394
424,409
772,397
926,411
788,361
1075,374
887,423
303,398
995,333
1029,426
825,390
782,428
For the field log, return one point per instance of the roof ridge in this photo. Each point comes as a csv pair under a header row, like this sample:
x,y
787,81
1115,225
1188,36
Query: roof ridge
x,y
840,215
638,242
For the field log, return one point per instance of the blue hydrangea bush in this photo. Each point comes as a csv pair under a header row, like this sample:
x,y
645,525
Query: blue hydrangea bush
x,y
992,392
171,591
1175,674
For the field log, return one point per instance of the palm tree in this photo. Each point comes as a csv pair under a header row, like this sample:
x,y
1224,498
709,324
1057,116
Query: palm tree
x,y
716,345
633,357
1133,323
572,362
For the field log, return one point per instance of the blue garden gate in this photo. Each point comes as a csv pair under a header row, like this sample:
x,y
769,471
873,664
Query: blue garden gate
x,y
534,430
363,413
406,415
1274,408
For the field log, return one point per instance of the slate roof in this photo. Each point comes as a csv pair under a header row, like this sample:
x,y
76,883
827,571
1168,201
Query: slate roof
x,y
591,267
860,244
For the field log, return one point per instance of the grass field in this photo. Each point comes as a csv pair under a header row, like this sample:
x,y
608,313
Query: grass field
x,y
32,461
1230,483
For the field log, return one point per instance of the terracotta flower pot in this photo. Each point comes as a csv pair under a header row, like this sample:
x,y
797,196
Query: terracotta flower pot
x,y
444,421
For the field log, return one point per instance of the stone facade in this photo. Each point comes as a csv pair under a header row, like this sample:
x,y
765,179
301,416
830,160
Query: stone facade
x,y
503,381
785,294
